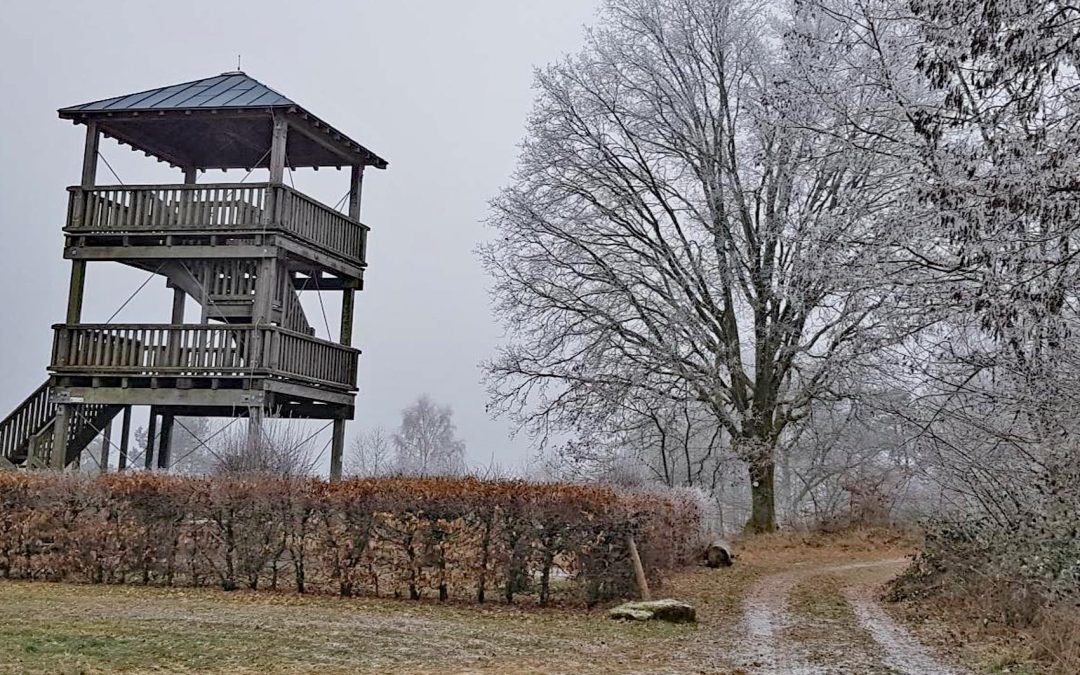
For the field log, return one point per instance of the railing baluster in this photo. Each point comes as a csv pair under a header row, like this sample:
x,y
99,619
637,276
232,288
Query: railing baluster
x,y
223,206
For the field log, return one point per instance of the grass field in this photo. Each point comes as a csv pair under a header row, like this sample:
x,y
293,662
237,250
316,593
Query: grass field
x,y
62,628
50,628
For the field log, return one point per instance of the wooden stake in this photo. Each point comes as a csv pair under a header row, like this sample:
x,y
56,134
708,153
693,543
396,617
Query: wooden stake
x,y
639,571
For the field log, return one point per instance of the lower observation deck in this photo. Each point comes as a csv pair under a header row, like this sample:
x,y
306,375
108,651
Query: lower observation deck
x,y
204,369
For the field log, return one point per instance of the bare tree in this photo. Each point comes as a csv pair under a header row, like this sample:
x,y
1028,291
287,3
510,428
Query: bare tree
x,y
426,443
278,449
686,223
371,454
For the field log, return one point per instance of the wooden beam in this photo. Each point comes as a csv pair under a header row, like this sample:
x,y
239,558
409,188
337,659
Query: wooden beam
x,y
163,252
323,283
333,264
223,398
295,390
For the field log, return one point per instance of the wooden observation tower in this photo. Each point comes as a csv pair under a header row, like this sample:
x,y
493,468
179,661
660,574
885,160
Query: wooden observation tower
x,y
243,251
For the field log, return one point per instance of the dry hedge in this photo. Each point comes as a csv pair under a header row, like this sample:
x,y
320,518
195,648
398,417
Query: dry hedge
x,y
449,538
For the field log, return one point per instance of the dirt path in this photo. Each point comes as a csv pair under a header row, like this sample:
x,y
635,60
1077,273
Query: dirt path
x,y
820,619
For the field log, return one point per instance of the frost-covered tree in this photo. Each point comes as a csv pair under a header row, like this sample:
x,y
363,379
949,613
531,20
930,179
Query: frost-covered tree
x,y
994,377
426,443
689,221
371,454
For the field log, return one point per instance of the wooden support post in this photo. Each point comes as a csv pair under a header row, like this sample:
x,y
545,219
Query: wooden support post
x,y
61,423
337,449
191,175
639,571
76,286
265,285
165,445
255,424
151,437
348,300
90,156
348,304
106,442
89,172
125,440
178,300
356,187
277,150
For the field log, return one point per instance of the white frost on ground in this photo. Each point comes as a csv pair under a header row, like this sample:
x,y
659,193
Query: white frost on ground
x,y
902,652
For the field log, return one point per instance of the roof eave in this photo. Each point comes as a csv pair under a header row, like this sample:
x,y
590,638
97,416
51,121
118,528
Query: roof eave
x,y
318,126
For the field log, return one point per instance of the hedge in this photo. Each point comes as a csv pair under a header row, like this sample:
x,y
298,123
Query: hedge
x,y
458,538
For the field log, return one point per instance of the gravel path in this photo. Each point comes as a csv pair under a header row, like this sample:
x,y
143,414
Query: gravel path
x,y
868,641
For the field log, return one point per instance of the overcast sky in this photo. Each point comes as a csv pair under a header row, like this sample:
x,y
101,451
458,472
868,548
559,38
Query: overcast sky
x,y
440,89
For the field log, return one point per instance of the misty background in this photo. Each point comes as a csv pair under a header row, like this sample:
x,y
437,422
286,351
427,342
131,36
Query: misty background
x,y
441,90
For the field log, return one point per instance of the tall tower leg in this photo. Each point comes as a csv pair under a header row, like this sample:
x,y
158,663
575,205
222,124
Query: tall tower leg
x,y
106,441
255,424
337,449
125,440
165,446
151,438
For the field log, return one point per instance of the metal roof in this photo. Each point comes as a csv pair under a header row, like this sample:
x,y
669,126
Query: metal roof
x,y
228,90
181,132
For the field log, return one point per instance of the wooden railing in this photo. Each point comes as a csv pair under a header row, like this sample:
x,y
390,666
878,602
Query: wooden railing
x,y
28,419
307,357
201,351
27,433
322,225
138,208
228,207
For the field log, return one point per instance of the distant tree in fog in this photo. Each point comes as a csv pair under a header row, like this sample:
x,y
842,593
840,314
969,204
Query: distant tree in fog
x,y
371,454
426,443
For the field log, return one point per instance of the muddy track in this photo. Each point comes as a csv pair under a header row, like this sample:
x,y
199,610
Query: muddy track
x,y
863,639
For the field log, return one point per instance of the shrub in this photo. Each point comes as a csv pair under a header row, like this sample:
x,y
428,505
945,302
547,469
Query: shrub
x,y
422,537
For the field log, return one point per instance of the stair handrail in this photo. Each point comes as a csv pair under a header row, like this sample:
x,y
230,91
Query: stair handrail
x,y
11,437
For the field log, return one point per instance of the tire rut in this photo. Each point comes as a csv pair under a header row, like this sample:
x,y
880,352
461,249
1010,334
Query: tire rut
x,y
877,645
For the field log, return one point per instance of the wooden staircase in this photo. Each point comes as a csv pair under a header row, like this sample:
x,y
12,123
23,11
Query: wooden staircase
x,y
225,289
26,435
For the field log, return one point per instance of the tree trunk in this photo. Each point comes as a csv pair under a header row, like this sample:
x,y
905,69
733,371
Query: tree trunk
x,y
762,497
